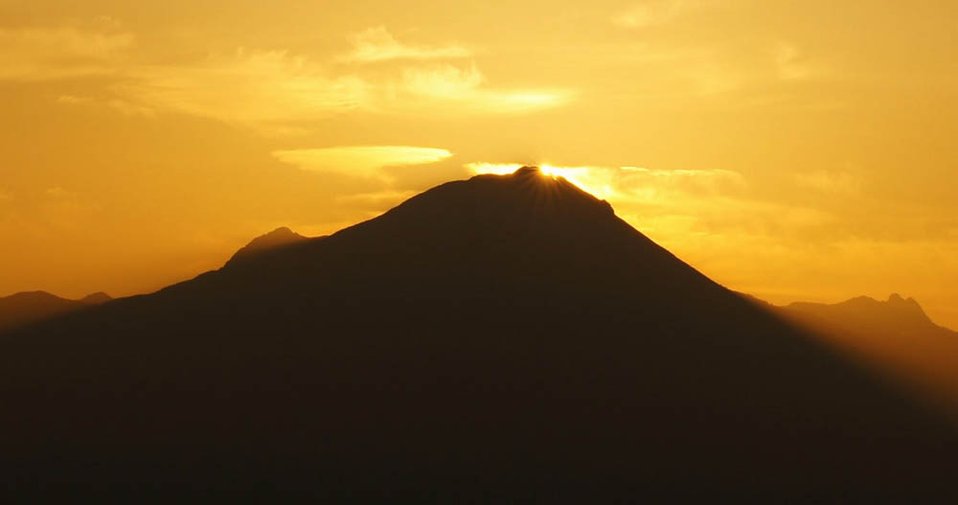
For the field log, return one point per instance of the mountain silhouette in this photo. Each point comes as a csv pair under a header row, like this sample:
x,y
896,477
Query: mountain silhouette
x,y
28,307
275,239
503,338
896,335
895,317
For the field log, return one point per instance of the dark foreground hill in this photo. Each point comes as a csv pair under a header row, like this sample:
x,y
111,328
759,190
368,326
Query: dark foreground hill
x,y
28,307
497,339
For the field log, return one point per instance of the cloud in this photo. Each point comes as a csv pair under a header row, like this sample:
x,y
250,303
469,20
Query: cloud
x,y
445,86
377,45
790,62
42,54
271,91
262,89
834,182
650,13
633,184
360,161
276,92
74,100
58,192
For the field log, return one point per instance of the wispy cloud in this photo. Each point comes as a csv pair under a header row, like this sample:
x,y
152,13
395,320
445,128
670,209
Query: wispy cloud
x,y
833,182
464,89
378,44
74,99
634,184
270,91
41,54
650,13
790,62
276,92
360,161
263,89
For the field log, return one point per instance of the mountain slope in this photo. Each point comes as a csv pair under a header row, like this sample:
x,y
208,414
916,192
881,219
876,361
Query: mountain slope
x,y
505,336
31,306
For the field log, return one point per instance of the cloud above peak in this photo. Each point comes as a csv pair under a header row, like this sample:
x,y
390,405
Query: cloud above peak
x,y
377,44
276,92
51,53
360,161
649,13
260,89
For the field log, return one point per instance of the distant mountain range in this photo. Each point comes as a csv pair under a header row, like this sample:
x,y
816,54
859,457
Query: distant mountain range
x,y
28,307
895,318
895,335
505,338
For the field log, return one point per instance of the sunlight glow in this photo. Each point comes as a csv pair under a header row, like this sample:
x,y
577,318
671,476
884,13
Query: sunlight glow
x,y
597,181
590,179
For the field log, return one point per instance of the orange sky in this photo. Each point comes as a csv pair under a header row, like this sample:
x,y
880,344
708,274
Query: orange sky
x,y
794,150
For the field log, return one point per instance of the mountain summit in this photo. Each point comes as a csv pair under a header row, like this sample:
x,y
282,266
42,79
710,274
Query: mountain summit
x,y
503,336
275,239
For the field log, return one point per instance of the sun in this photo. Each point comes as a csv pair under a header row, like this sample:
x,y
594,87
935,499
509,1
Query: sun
x,y
592,180
586,178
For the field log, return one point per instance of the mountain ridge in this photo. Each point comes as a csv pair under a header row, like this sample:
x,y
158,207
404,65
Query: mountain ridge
x,y
27,307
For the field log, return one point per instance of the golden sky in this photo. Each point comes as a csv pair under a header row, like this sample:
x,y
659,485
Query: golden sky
x,y
793,150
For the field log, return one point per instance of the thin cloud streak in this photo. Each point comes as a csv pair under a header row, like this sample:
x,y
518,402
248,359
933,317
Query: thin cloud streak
x,y
280,93
376,45
44,54
360,161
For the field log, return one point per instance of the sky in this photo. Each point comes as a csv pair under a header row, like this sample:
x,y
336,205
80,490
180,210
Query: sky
x,y
791,150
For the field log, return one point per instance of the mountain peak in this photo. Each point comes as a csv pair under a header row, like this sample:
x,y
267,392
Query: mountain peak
x,y
279,237
527,171
533,186
898,314
96,298
897,299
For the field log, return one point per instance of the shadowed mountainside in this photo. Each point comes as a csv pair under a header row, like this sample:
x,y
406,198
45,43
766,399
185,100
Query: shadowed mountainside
x,y
505,337
31,306
895,335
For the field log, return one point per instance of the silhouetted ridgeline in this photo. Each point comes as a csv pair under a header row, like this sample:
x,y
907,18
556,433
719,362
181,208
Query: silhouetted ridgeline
x,y
501,337
895,336
276,239
32,306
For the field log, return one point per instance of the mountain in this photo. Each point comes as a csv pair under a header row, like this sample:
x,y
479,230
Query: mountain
x,y
896,317
896,335
97,298
31,306
503,338
275,239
